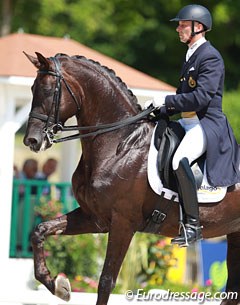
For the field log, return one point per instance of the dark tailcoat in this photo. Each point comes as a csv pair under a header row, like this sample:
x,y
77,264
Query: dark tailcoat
x,y
200,90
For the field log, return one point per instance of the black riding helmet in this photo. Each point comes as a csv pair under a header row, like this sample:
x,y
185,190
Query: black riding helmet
x,y
195,12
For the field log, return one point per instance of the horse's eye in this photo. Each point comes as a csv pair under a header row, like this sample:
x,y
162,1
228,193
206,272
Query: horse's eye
x,y
48,90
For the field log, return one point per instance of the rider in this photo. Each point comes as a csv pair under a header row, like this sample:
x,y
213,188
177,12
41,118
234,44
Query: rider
x,y
199,100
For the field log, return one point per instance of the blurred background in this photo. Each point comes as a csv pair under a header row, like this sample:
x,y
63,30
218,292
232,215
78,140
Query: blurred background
x,y
138,34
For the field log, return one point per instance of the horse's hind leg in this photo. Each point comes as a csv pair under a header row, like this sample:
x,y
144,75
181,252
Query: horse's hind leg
x,y
120,236
75,222
233,265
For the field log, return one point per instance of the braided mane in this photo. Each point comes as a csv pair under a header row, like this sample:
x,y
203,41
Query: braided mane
x,y
110,72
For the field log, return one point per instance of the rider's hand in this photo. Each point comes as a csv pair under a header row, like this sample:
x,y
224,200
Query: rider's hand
x,y
156,102
159,101
162,110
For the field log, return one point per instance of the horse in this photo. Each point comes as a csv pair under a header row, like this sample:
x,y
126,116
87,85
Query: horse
x,y
110,182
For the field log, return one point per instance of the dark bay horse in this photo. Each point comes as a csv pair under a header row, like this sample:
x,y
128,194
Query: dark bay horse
x,y
110,182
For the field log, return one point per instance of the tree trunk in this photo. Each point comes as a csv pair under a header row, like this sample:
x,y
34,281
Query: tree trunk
x,y
6,17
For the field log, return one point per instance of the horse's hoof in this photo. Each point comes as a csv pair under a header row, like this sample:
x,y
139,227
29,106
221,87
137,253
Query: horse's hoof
x,y
62,287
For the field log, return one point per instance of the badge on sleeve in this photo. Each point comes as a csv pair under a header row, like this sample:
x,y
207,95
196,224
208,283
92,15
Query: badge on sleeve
x,y
191,82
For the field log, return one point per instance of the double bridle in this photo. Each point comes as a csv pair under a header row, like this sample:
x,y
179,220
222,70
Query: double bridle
x,y
53,124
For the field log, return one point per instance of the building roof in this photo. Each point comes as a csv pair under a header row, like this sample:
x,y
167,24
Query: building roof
x,y
14,63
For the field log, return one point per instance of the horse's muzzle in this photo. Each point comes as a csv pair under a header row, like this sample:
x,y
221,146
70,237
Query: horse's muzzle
x,y
36,142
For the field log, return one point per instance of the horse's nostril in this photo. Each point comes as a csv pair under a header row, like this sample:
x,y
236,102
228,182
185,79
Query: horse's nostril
x,y
30,141
33,141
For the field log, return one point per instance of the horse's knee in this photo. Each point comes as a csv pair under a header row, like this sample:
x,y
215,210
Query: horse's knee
x,y
38,234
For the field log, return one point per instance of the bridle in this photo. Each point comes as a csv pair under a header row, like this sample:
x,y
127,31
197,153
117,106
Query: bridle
x,y
53,124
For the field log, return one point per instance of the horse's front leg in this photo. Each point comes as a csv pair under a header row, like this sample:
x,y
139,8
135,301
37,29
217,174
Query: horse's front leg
x,y
120,236
75,222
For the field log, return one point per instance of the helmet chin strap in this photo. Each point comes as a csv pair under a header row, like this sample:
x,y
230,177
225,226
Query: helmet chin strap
x,y
193,33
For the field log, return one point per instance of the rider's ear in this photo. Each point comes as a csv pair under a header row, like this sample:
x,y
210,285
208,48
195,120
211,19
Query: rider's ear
x,y
40,62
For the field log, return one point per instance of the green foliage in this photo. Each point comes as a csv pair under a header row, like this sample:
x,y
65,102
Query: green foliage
x,y
231,108
147,264
160,259
48,209
177,287
81,258
135,32
76,256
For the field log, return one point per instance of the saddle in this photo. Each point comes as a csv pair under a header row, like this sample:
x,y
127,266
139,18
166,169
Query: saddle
x,y
168,136
166,139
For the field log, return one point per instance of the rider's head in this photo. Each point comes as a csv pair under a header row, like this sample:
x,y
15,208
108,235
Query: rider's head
x,y
193,19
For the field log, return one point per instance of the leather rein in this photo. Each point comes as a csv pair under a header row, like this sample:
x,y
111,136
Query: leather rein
x,y
53,124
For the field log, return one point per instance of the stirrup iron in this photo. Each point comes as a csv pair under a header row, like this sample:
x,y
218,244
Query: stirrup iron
x,y
182,227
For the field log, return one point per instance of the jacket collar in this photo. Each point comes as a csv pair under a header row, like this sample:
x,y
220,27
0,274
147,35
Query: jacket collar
x,y
192,58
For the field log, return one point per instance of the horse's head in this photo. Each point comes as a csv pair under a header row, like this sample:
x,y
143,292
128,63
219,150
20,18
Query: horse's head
x,y
65,85
53,102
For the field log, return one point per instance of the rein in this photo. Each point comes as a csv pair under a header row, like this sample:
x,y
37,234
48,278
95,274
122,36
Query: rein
x,y
103,128
57,126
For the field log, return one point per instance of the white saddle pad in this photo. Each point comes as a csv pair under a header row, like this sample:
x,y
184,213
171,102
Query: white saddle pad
x,y
206,193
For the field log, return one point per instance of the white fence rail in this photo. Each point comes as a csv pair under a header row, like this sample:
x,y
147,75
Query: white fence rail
x,y
45,298
29,297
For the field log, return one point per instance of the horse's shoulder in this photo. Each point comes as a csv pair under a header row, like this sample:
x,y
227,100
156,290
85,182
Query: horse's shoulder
x,y
140,137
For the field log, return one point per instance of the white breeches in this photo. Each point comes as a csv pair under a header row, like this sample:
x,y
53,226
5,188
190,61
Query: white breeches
x,y
194,143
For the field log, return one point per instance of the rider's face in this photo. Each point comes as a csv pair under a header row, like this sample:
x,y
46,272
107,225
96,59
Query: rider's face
x,y
184,30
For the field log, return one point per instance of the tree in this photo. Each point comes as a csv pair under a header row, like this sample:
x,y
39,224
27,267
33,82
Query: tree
x,y
6,14
137,33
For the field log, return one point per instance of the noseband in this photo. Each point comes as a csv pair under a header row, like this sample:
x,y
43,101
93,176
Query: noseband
x,y
53,124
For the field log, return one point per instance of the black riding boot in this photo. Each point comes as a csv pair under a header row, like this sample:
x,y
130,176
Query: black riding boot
x,y
191,232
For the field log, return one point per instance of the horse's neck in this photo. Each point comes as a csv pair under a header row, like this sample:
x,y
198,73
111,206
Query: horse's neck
x,y
99,148
106,97
106,144
106,100
106,110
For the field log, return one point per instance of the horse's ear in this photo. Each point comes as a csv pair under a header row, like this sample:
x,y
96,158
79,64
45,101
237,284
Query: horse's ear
x,y
40,62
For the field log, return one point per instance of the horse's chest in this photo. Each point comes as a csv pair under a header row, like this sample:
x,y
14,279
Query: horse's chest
x,y
93,191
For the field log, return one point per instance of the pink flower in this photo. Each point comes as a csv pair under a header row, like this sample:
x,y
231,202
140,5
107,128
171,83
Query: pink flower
x,y
78,290
143,285
194,289
87,279
161,243
93,284
208,282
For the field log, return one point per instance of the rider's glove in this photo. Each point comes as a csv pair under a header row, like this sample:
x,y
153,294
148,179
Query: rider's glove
x,y
162,110
159,101
156,102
